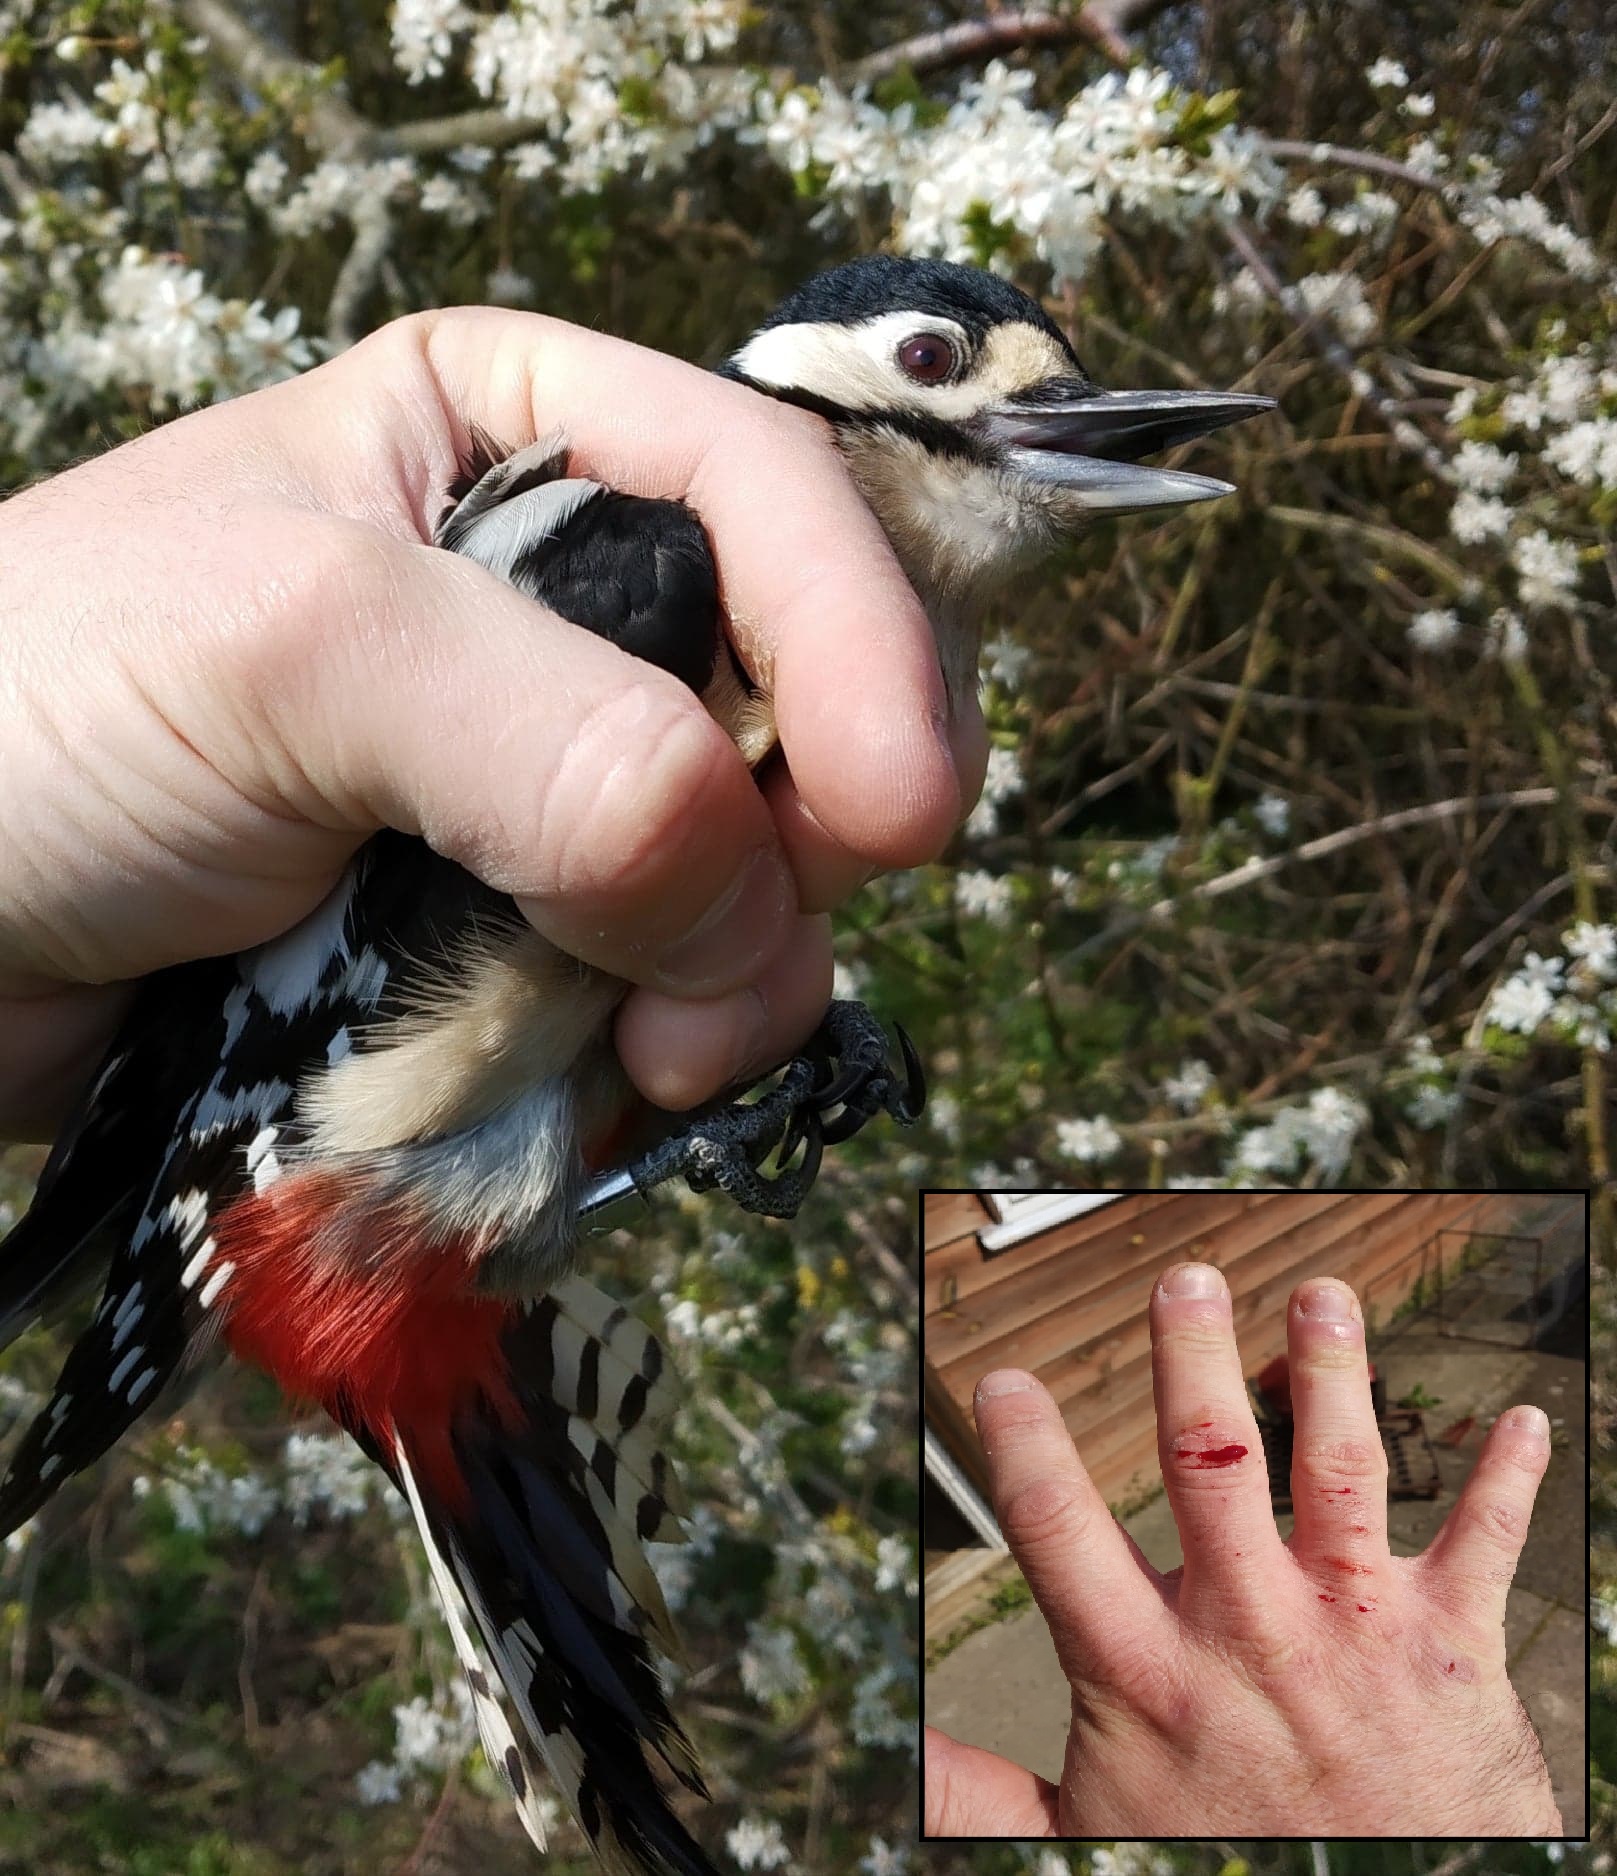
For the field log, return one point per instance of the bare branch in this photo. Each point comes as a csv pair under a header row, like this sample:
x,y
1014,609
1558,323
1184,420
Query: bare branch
x,y
1254,870
373,235
489,129
1286,150
331,122
968,40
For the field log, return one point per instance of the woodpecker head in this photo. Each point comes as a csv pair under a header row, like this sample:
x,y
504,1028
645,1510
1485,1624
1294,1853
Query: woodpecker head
x,y
970,425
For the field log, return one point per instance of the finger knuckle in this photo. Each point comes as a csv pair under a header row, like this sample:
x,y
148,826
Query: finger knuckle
x,y
1500,1520
655,776
1045,1515
1354,1461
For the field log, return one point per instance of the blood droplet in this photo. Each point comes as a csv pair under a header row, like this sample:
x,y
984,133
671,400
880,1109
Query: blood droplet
x,y
1449,1669
1364,1608
1214,1456
1203,1423
1336,1491
1324,1598
1352,1569
1358,1527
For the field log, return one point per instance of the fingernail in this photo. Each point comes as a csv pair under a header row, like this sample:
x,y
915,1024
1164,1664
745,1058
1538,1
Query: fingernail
x,y
1327,1301
1193,1280
736,933
1531,1420
1005,1381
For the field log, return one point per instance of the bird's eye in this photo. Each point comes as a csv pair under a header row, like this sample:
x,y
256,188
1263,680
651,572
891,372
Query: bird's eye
x,y
928,358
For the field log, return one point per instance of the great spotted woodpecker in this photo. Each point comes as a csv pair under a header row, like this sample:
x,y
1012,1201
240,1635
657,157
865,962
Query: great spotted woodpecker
x,y
358,1157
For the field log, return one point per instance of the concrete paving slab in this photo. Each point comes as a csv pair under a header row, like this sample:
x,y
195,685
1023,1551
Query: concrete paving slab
x,y
1003,1688
1549,1676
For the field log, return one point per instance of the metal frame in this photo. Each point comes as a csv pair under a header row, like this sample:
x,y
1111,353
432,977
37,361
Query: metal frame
x,y
959,1490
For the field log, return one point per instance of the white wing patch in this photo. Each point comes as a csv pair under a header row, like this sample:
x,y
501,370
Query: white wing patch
x,y
287,972
500,1744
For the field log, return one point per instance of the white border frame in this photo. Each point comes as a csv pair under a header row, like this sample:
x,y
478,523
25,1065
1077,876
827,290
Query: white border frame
x,y
1025,1214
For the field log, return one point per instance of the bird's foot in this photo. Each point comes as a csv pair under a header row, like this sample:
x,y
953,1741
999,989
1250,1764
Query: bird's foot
x,y
842,1079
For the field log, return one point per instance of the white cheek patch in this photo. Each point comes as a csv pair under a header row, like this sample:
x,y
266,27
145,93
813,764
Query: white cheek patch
x,y
857,366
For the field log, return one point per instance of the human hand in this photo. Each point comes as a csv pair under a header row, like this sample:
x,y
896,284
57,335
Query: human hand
x,y
227,656
1319,1687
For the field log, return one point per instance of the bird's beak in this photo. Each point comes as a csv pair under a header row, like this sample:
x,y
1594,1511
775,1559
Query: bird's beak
x,y
1088,443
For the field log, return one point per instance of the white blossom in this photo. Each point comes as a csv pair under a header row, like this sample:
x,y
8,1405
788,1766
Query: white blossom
x,y
1190,1087
1524,1000
507,287
757,1844
1477,518
874,1719
1095,1139
265,178
1342,297
985,895
1547,569
327,1473
772,1668
1594,946
1370,212
1419,104
1320,1134
1430,1106
1387,75
1507,635
455,201
1273,814
1481,467
380,1782
1005,662
60,133
1305,207
423,35
1586,452
1432,630
895,1566
884,1859
1002,780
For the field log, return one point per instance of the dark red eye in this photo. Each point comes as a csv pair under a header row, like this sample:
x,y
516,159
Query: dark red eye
x,y
928,358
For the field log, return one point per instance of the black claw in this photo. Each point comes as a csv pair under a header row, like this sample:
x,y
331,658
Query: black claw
x,y
840,1086
914,1077
845,1067
798,1123
813,1153
844,1127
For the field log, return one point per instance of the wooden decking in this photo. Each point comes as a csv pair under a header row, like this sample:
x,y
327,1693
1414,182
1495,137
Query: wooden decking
x,y
1070,1305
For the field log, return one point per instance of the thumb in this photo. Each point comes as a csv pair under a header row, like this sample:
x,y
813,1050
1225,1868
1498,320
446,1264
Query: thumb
x,y
972,1793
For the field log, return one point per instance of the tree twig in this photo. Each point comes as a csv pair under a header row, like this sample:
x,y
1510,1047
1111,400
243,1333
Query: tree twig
x,y
1340,156
1254,870
968,40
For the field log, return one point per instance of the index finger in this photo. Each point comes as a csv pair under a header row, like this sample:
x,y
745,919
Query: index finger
x,y
1083,1569
820,609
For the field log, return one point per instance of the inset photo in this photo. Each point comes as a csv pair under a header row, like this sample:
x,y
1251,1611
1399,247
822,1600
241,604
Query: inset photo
x,y
1255,1514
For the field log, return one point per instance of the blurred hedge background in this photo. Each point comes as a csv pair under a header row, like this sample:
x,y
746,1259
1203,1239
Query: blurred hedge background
x,y
1295,864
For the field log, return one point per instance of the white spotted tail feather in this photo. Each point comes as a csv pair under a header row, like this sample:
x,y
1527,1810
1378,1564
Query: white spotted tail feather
x,y
545,1551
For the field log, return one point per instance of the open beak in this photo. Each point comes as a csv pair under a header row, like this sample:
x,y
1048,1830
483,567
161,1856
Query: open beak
x,y
1090,442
